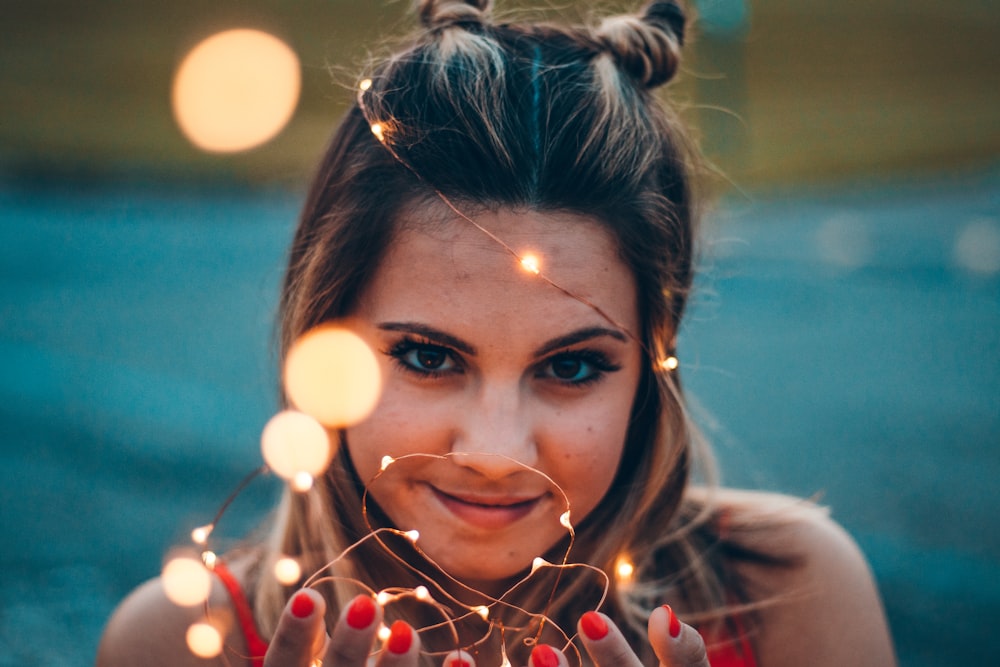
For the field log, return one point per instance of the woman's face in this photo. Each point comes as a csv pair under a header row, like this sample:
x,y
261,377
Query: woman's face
x,y
498,372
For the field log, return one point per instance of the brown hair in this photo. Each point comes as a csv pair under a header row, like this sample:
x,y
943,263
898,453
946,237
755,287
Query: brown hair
x,y
520,116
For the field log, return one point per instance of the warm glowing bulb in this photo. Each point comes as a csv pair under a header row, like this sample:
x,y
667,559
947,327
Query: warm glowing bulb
x,y
412,535
564,520
531,263
332,374
302,482
200,534
236,90
209,559
670,363
421,593
383,598
386,462
294,443
384,632
365,84
484,612
537,563
186,581
378,131
624,569
505,662
204,640
287,571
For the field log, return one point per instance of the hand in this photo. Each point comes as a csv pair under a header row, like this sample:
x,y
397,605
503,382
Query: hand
x,y
683,647
301,636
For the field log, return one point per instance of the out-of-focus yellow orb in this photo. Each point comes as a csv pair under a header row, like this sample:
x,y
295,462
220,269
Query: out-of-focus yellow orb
x,y
204,640
236,90
331,374
294,443
186,581
287,571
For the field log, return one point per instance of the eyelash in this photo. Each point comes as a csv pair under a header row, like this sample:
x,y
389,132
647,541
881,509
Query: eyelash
x,y
596,359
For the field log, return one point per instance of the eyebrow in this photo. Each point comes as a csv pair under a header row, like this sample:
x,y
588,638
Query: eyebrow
x,y
437,336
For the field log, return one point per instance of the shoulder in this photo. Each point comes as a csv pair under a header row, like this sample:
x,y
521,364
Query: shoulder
x,y
824,609
148,629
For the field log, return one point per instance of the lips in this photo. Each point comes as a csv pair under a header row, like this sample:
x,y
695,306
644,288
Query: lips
x,y
490,513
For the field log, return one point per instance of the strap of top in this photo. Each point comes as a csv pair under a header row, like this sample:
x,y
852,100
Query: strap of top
x,y
256,646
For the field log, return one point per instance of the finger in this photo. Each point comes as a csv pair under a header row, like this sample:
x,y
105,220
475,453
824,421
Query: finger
x,y
676,644
354,634
544,655
401,649
458,659
605,642
300,632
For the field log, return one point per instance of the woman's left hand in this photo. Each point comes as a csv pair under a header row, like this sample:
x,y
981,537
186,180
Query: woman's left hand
x,y
675,644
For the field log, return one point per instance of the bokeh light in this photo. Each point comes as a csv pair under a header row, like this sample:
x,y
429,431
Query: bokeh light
x,y
977,248
236,90
331,374
204,640
294,443
186,580
287,571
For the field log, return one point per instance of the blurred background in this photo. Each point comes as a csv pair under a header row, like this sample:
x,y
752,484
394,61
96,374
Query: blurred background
x,y
842,341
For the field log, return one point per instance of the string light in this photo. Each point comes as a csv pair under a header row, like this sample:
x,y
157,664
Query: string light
x,y
421,593
624,570
564,520
365,85
293,443
287,571
383,598
386,462
531,263
332,375
204,640
302,482
669,363
384,632
484,612
209,559
412,535
379,131
186,581
200,534
538,562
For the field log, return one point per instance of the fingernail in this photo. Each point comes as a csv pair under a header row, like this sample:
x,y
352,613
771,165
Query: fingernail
x,y
400,638
544,655
675,624
461,663
361,613
593,625
302,605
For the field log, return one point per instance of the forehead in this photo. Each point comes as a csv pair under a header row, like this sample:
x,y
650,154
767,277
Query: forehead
x,y
454,268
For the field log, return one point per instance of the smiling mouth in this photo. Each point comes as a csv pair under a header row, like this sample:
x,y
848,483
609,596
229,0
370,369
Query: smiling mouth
x,y
491,514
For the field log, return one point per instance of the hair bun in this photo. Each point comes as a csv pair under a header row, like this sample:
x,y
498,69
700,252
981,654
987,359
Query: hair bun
x,y
444,13
648,46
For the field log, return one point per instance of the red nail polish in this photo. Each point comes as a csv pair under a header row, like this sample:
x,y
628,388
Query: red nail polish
x,y
593,625
544,655
302,605
361,613
461,663
675,624
400,638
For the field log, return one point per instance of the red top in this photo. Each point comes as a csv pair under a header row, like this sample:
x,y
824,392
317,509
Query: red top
x,y
723,651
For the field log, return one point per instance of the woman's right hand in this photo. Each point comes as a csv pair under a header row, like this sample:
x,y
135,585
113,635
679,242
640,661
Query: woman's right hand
x,y
301,636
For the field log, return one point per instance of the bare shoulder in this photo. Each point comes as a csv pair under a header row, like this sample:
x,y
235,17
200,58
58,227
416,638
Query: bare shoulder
x,y
825,609
148,629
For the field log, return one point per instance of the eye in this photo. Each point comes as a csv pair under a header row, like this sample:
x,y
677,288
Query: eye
x,y
577,368
424,358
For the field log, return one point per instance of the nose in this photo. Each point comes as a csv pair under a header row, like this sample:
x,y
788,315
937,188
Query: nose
x,y
496,436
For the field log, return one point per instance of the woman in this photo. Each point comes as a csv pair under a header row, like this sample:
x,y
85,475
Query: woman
x,y
506,216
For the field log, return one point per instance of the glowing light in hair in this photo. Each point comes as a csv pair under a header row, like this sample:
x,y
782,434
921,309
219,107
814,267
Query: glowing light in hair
x,y
302,482
204,640
379,131
287,571
331,374
236,90
294,444
209,559
365,84
669,363
186,581
624,570
531,263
